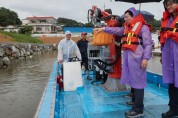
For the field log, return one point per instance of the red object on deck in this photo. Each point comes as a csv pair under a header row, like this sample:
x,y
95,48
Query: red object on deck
x,y
117,67
60,81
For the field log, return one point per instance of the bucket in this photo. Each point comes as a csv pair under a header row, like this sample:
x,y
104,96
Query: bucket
x,y
102,39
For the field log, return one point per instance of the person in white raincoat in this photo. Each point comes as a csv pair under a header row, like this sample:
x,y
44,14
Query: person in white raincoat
x,y
67,49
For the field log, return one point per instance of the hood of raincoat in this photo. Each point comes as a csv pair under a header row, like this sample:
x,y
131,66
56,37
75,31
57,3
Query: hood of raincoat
x,y
134,11
68,32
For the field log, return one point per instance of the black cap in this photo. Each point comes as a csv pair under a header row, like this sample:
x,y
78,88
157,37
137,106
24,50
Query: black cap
x,y
83,33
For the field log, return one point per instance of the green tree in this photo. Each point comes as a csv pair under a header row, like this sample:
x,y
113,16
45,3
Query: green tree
x,y
73,23
156,24
26,29
8,17
69,22
88,25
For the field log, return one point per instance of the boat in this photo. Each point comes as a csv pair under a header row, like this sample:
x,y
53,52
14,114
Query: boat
x,y
92,101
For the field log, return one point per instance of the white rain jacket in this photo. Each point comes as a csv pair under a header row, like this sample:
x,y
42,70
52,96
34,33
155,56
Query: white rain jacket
x,y
68,49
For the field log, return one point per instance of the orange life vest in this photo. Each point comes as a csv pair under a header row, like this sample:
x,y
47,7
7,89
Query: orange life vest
x,y
131,33
168,32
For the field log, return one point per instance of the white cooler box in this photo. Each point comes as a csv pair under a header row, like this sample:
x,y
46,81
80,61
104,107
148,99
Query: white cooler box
x,y
72,73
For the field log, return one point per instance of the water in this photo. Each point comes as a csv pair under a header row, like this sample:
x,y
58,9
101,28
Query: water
x,y
154,65
155,39
22,85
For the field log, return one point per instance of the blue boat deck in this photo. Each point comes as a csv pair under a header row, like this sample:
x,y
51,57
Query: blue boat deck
x,y
94,102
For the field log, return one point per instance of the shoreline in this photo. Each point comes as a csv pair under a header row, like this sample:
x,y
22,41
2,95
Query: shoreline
x,y
14,52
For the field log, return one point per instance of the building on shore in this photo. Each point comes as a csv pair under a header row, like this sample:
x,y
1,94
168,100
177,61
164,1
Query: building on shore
x,y
47,24
10,28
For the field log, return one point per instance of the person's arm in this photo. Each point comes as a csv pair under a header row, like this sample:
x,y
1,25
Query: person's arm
x,y
147,45
147,42
119,31
60,55
78,44
77,51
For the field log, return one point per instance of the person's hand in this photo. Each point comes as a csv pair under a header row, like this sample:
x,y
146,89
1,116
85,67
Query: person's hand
x,y
99,29
144,63
61,60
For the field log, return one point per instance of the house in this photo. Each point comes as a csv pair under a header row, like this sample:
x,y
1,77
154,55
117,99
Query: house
x,y
41,24
10,28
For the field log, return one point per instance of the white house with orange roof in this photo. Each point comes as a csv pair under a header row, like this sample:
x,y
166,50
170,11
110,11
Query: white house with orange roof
x,y
41,24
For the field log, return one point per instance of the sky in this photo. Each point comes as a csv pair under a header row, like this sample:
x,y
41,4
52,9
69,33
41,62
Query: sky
x,y
74,9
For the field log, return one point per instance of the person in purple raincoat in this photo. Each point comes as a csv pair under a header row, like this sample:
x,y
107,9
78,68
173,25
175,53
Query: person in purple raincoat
x,y
169,48
134,61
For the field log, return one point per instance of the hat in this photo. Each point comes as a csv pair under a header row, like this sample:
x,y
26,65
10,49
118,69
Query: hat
x,y
68,32
83,33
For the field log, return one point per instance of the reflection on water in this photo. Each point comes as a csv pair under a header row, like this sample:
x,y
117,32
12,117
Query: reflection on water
x,y
22,85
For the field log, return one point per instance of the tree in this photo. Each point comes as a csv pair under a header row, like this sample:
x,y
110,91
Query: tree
x,y
69,22
89,25
156,24
26,29
8,17
73,23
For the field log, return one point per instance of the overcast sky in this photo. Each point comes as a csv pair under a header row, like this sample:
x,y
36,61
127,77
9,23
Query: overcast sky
x,y
73,9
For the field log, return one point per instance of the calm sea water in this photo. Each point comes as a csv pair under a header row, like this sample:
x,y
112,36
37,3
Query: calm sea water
x,y
22,85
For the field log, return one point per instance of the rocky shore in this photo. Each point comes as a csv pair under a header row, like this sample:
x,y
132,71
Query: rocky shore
x,y
14,52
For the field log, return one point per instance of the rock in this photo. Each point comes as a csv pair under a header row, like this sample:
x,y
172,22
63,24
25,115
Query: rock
x,y
31,52
16,52
54,46
27,53
30,56
23,52
1,52
35,48
13,48
8,52
1,62
21,58
6,61
11,58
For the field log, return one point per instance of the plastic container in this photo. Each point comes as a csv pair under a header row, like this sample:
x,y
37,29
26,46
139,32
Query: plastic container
x,y
101,39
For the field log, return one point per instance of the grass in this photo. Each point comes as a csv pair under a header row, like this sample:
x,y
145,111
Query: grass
x,y
22,38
